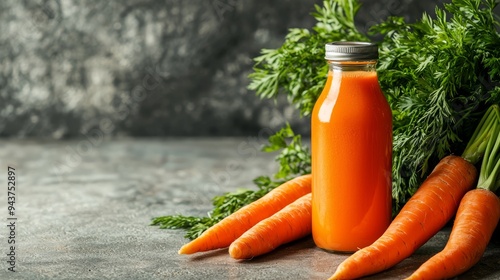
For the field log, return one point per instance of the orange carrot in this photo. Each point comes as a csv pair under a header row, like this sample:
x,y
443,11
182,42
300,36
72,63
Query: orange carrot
x,y
479,209
429,209
476,219
288,224
223,233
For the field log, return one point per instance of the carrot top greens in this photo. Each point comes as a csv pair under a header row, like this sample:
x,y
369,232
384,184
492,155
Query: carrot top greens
x,y
439,75
485,144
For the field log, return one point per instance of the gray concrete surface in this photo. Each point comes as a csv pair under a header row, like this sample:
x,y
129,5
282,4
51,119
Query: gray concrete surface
x,y
84,210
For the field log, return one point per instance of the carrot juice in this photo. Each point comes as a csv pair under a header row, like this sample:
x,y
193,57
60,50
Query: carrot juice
x,y
351,143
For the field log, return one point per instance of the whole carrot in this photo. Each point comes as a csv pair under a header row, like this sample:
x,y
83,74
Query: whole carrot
x,y
476,219
288,224
223,233
427,211
477,215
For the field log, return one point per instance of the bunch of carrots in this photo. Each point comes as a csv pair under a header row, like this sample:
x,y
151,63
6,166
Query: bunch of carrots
x,y
284,215
281,216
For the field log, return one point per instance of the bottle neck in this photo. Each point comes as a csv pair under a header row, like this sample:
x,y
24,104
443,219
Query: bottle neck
x,y
366,66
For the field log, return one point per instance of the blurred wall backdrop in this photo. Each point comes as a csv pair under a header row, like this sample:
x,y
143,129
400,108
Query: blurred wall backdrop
x,y
151,67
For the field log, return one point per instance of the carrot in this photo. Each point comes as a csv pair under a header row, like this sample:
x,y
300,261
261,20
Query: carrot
x,y
425,213
223,233
288,224
476,219
478,213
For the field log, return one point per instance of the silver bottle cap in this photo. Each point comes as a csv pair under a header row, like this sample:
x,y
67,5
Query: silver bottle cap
x,y
351,51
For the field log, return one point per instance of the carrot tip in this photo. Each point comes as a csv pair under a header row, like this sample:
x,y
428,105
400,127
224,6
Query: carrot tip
x,y
184,250
235,251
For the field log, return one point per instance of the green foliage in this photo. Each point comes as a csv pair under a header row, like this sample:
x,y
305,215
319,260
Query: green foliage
x,y
439,76
294,158
486,141
298,68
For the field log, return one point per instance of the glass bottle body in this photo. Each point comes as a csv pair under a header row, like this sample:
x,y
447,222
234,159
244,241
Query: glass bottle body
x,y
351,143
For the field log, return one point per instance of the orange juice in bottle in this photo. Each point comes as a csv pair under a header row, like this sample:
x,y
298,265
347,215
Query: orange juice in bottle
x,y
351,144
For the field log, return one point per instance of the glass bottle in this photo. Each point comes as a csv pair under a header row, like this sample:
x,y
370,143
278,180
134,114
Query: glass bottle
x,y
351,144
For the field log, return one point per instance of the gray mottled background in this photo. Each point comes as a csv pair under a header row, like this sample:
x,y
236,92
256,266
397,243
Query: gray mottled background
x,y
148,68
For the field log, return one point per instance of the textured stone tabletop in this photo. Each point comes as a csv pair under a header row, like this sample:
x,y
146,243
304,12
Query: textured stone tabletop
x,y
83,210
